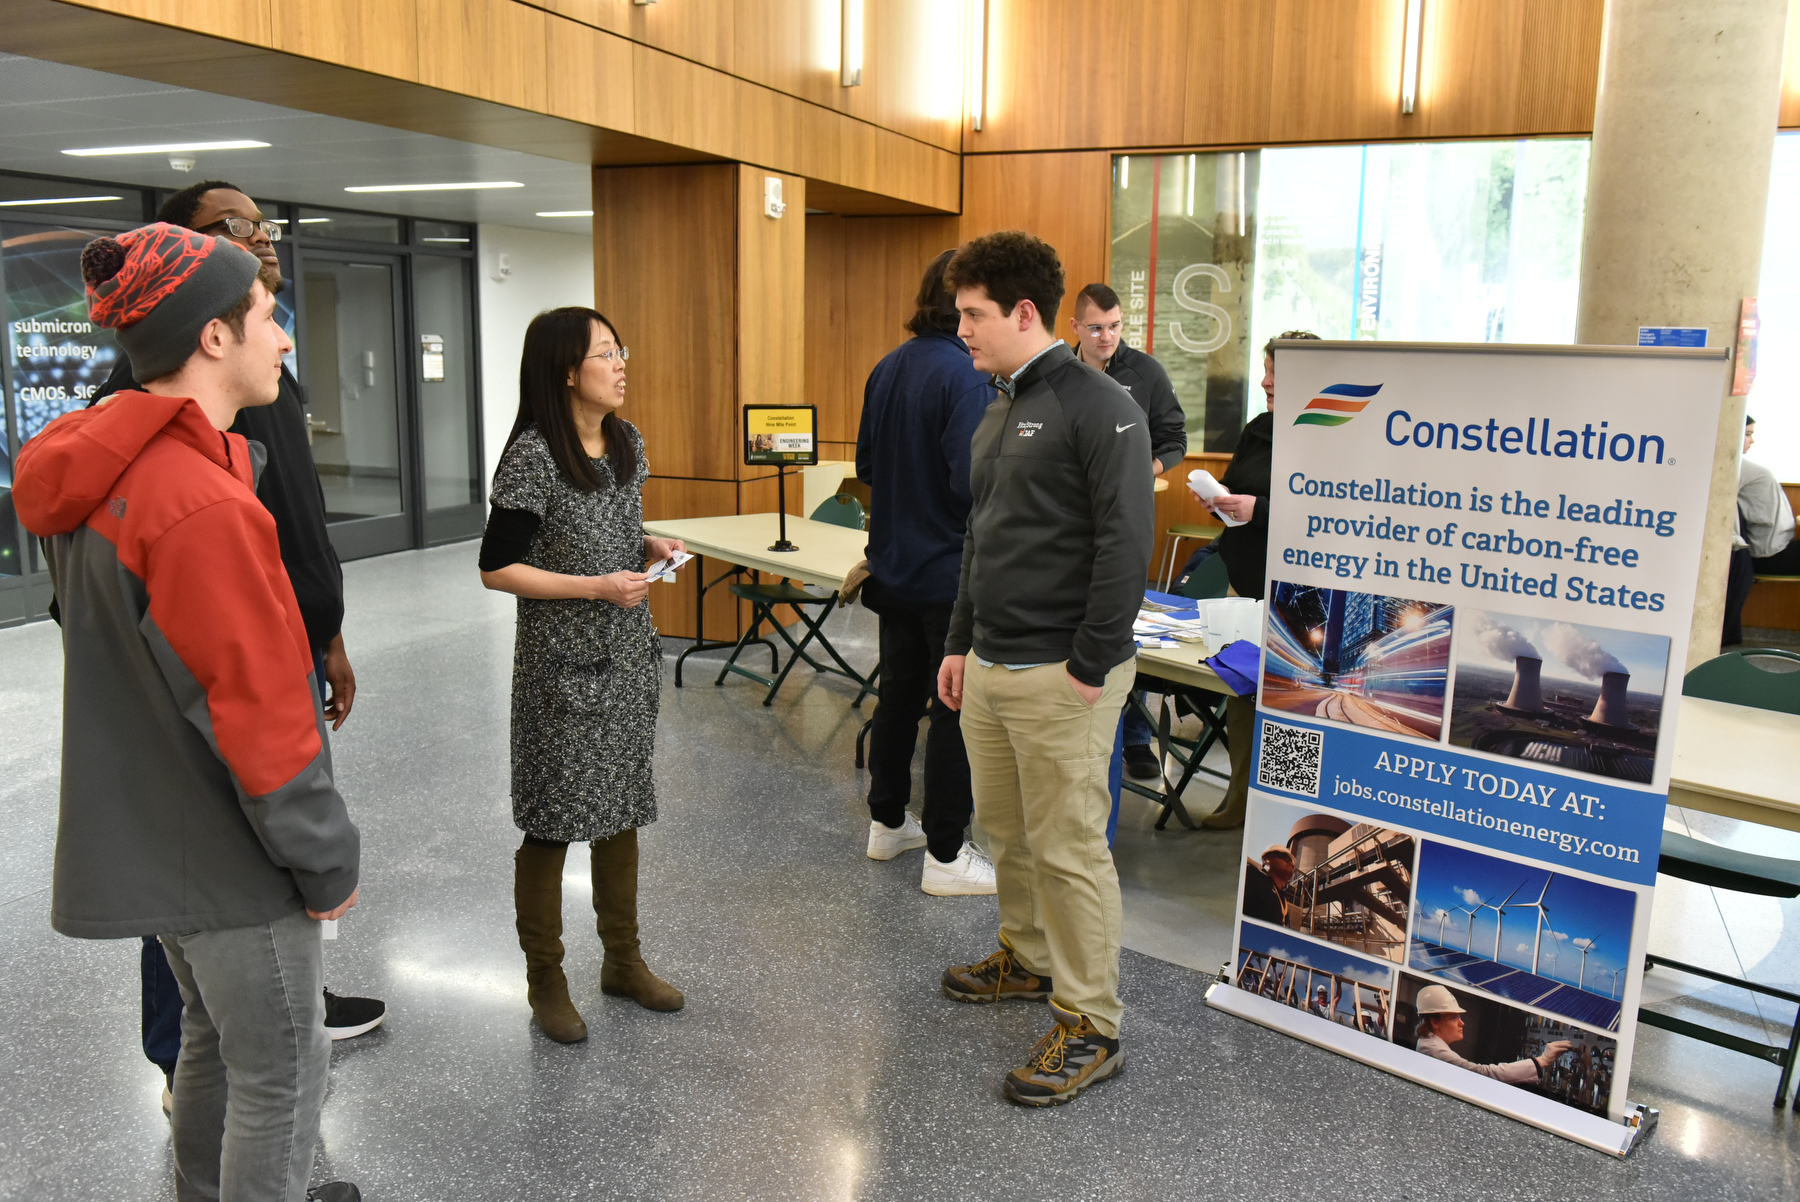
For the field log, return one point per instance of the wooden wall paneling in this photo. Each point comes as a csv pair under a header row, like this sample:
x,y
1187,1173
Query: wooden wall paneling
x,y
912,70
672,605
665,253
1084,75
1064,199
682,102
494,49
1230,73
827,385
884,259
240,20
1336,73
771,301
702,30
372,35
790,47
589,75
1509,66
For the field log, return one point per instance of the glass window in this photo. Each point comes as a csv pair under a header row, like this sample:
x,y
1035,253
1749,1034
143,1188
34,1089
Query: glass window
x,y
352,387
446,234
446,374
1213,254
348,227
73,199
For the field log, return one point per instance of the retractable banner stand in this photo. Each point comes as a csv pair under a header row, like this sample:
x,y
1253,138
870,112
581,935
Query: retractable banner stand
x,y
1481,574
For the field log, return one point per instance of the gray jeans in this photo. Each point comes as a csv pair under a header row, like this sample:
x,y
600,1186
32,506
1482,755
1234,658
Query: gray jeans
x,y
254,1056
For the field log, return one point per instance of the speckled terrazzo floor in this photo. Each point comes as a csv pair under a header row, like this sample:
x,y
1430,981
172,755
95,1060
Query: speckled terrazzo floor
x,y
815,1059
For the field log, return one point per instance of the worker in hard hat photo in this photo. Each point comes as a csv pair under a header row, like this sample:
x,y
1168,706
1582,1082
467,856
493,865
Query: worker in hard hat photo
x,y
1441,1025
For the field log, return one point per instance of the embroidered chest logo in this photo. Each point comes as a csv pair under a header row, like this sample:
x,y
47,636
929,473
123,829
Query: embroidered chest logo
x,y
116,507
1027,429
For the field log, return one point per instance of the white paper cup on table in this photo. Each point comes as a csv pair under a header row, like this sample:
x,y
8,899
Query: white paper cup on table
x,y
1208,489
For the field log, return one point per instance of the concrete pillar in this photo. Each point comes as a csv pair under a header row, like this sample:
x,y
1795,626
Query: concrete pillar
x,y
1678,188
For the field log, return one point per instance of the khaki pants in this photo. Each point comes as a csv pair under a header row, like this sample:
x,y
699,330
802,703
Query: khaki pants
x,y
1038,760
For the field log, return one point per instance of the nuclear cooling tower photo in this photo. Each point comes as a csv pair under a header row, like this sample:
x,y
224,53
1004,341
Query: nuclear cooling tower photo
x,y
1585,698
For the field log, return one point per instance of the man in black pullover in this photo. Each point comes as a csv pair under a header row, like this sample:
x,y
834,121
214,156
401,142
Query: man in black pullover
x,y
1040,655
289,488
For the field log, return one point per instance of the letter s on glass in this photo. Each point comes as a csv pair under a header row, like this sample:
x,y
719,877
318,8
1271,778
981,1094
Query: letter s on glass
x,y
1220,280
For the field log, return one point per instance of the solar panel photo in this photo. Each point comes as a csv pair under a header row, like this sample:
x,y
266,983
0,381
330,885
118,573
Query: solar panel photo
x,y
1544,939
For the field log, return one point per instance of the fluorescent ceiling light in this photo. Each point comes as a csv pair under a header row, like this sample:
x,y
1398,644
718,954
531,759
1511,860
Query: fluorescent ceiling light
x,y
850,58
1409,55
314,220
568,213
55,200
502,183
443,239
167,148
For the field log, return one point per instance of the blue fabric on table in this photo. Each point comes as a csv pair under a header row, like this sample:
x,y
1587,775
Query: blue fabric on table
x,y
1236,664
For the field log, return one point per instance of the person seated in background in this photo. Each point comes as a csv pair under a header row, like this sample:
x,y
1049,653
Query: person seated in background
x,y
1264,882
1768,518
1763,544
1441,1024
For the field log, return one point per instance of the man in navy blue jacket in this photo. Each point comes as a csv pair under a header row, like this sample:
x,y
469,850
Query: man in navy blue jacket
x,y
920,407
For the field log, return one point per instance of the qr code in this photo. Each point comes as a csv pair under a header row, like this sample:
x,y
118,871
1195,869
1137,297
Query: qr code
x,y
1291,757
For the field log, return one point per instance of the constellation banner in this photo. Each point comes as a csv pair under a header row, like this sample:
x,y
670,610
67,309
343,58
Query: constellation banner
x,y
1482,565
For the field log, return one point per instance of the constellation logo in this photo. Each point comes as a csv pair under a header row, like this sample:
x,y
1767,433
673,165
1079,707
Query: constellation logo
x,y
1337,404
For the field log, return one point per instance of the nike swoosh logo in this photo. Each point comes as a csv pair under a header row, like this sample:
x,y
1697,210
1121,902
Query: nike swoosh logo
x,y
1122,429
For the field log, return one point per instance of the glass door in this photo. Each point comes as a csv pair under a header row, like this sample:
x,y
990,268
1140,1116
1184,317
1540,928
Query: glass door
x,y
351,310
449,418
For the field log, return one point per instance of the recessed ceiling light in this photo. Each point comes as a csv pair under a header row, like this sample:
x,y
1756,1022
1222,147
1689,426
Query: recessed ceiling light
x,y
568,213
167,148
504,183
55,200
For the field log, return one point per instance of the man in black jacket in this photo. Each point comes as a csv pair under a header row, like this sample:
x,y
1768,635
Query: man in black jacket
x,y
289,488
1099,325
1040,655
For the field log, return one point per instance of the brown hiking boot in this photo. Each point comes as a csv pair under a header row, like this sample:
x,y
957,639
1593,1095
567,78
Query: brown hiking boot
x,y
537,899
999,978
1068,1060
624,974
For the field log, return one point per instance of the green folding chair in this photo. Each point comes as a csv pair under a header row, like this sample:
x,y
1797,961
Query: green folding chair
x,y
1763,678
838,510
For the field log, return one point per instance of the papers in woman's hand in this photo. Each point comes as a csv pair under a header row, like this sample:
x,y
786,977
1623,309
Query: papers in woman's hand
x,y
664,569
1208,489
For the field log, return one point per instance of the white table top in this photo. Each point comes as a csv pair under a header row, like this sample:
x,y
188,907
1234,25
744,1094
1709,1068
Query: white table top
x,y
1737,761
825,556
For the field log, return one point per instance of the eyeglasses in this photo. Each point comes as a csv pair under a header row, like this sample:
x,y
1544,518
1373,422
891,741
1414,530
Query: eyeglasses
x,y
623,353
243,227
1096,331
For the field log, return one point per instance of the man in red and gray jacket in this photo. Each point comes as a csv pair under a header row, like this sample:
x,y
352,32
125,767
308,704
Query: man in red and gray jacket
x,y
197,795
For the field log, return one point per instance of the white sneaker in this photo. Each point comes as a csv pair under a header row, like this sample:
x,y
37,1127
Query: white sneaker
x,y
970,874
886,842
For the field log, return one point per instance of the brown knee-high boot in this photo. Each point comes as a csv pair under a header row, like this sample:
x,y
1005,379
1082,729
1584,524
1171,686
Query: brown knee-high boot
x,y
624,974
537,899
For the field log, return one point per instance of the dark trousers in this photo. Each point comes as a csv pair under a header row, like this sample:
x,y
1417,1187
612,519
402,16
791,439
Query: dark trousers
x,y
912,648
1740,576
162,1007
161,996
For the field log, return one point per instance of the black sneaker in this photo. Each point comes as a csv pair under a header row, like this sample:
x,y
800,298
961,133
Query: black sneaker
x,y
999,978
334,1191
1141,763
348,1017
1068,1060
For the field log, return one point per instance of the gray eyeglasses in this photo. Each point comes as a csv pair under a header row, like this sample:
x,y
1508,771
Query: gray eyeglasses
x,y
623,353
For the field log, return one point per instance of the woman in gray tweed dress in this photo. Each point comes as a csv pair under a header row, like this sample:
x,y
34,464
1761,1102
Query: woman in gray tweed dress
x,y
565,535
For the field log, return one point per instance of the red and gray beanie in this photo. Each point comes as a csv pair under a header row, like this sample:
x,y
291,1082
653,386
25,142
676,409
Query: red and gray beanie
x,y
158,286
